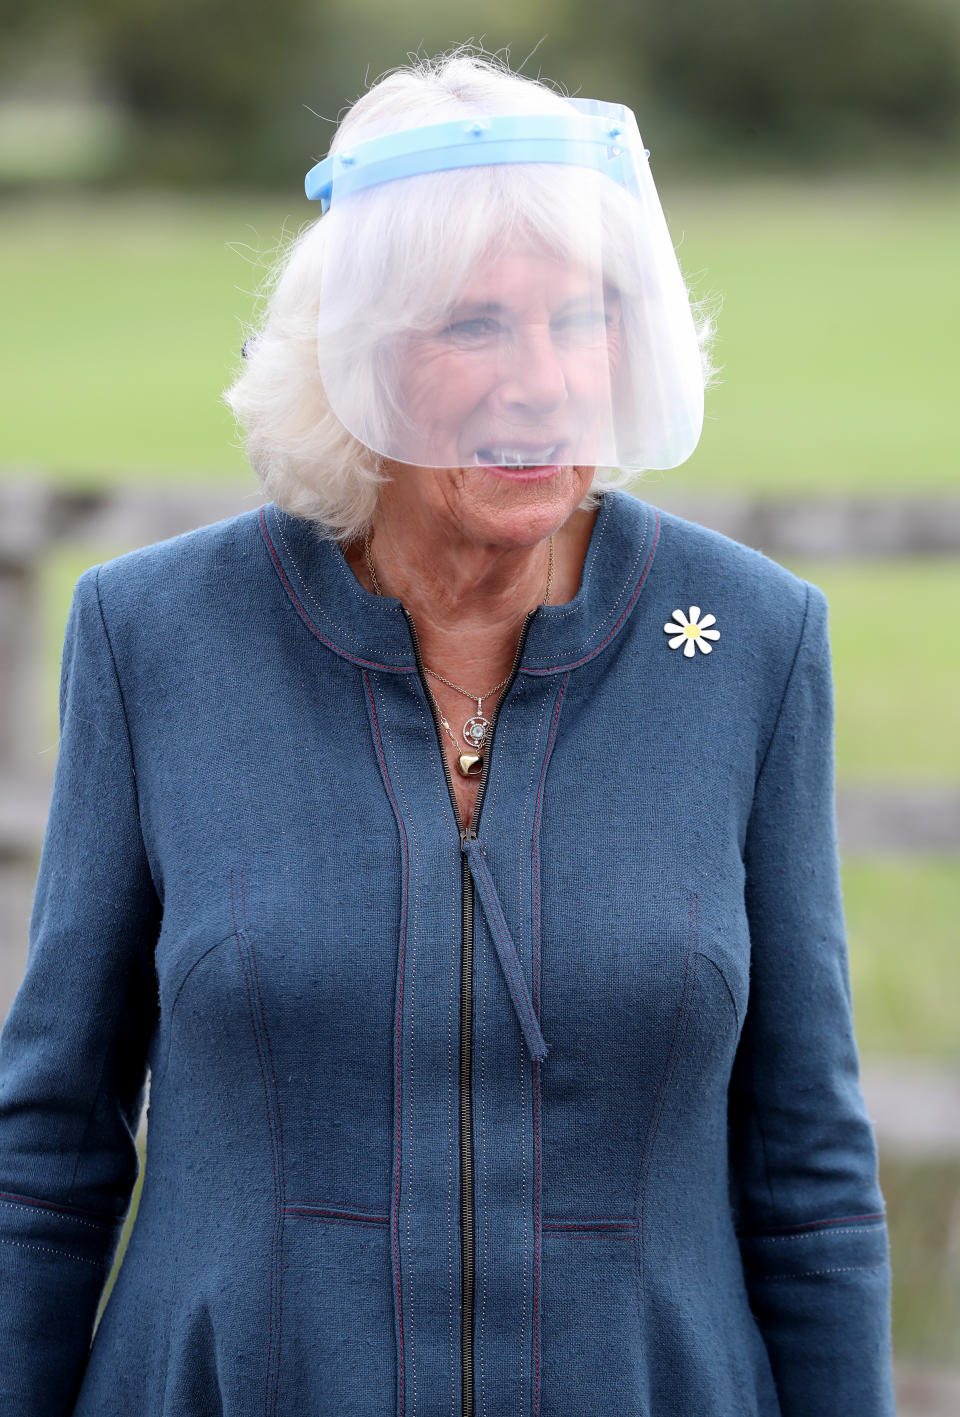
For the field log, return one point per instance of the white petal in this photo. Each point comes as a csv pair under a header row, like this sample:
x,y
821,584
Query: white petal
x,y
694,614
709,634
690,648
675,644
705,647
679,616
671,628
708,620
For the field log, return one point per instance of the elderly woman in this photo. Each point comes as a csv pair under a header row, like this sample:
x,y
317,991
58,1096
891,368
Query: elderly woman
x,y
453,841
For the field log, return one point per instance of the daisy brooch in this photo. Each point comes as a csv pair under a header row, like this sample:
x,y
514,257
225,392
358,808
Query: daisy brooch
x,y
692,632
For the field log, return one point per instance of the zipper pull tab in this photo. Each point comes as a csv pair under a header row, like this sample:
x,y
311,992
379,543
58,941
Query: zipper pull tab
x,y
503,943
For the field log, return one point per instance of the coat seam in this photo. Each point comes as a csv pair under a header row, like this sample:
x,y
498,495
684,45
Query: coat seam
x,y
812,1273
398,1033
20,1202
537,1080
878,1215
325,614
276,1238
785,694
812,1234
337,649
653,1125
726,984
754,1095
521,1054
49,1250
136,797
577,664
276,1096
412,1032
612,610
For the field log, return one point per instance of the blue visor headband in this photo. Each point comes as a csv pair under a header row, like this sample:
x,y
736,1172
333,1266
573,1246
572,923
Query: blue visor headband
x,y
602,136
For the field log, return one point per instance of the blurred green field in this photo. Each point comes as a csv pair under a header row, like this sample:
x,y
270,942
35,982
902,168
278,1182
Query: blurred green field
x,y
901,915
897,676
123,319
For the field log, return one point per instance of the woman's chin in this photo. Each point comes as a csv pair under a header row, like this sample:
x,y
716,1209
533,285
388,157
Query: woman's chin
x,y
520,507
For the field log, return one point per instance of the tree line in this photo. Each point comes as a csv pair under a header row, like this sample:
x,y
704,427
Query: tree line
x,y
243,92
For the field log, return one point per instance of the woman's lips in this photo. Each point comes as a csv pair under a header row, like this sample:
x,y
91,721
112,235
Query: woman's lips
x,y
522,464
522,474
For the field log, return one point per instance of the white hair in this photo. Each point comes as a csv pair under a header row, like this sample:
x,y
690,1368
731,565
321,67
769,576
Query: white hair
x,y
400,254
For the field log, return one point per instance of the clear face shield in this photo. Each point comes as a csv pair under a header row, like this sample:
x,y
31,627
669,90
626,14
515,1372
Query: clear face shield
x,y
504,292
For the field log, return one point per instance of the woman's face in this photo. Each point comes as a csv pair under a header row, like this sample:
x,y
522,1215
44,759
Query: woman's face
x,y
509,396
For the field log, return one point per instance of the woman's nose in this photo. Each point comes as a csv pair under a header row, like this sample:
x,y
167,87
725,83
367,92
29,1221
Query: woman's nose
x,y
532,375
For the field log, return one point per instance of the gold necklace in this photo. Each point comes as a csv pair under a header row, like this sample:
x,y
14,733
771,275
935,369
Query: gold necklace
x,y
477,728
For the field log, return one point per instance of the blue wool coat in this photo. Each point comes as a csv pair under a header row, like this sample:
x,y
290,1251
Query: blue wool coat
x,y
558,1117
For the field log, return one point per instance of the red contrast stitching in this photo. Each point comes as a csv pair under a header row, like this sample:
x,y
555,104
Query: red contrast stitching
x,y
323,1212
809,1225
557,668
396,1061
537,1127
653,1126
273,1148
368,663
586,1223
71,1212
278,1199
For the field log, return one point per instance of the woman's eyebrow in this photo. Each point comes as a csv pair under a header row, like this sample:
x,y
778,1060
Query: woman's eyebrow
x,y
472,308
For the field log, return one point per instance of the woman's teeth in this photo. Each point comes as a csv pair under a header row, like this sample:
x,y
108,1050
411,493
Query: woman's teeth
x,y
518,458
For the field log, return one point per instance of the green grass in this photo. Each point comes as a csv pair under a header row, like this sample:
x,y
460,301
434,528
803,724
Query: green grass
x,y
901,915
896,667
836,336
123,319
923,1202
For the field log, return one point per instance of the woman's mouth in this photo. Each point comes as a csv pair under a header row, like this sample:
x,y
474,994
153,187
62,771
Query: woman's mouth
x,y
522,463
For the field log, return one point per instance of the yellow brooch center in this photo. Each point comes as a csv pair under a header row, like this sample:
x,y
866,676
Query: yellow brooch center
x,y
691,631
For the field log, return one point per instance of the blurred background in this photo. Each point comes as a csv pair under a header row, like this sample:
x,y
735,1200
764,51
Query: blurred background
x,y
807,154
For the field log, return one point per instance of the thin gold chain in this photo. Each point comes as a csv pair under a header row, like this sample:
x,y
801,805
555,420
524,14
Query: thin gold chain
x,y
476,698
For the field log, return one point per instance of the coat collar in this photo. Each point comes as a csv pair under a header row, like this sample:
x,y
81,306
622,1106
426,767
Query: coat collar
x,y
371,630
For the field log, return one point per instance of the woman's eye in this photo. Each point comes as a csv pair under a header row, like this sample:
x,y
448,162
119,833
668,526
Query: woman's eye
x,y
582,324
480,327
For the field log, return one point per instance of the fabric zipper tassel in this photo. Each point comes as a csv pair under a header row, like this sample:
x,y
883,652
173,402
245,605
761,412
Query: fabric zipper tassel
x,y
506,950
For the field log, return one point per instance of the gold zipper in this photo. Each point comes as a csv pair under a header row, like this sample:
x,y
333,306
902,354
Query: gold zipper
x,y
466,1008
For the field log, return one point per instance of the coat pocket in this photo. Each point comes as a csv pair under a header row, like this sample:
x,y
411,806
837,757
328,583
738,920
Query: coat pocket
x,y
338,1350
592,1358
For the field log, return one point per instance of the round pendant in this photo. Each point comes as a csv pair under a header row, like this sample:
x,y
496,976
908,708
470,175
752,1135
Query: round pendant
x,y
475,730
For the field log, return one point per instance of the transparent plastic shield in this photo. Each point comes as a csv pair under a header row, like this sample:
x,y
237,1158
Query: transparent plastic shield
x,y
515,302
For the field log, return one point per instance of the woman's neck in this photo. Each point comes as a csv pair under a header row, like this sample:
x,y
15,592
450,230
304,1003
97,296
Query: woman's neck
x,y
469,602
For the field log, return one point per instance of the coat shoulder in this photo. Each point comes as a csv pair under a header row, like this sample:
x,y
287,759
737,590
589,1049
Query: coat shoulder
x,y
760,606
182,561
159,600
688,548
707,563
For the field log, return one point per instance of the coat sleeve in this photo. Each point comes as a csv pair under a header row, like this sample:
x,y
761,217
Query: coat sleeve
x,y
807,1203
73,1049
